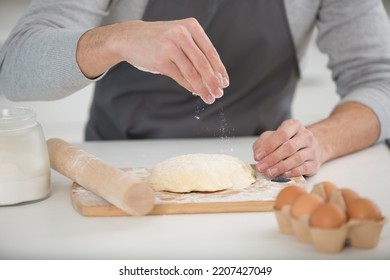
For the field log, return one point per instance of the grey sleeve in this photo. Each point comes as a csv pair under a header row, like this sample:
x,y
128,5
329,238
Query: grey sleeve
x,y
37,61
355,34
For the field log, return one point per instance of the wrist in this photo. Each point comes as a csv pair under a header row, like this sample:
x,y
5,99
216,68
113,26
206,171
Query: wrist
x,y
114,42
121,38
96,51
324,148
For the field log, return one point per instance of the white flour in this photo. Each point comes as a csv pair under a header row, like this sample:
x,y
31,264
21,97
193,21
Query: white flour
x,y
146,70
16,186
262,190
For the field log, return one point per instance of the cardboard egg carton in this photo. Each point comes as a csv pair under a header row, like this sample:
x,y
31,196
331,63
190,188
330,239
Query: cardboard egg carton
x,y
363,234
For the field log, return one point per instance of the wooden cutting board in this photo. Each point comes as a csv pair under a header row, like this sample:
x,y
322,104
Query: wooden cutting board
x,y
259,196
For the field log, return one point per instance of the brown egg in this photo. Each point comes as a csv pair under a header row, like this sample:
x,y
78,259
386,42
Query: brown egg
x,y
305,204
348,196
364,209
287,196
328,215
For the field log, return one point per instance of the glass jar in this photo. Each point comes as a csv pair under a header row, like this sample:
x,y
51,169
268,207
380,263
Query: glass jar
x,y
24,159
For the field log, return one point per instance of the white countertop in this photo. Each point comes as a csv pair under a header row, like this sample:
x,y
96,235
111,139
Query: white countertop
x,y
52,229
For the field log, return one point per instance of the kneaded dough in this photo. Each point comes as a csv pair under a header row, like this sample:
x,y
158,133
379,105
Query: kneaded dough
x,y
201,172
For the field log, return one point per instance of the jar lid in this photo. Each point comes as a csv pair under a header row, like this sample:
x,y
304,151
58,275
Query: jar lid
x,y
16,117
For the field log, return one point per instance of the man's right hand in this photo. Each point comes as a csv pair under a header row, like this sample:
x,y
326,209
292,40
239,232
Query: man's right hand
x,y
178,49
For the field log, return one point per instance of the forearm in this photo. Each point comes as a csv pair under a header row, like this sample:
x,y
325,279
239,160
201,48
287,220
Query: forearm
x,y
38,59
41,66
350,127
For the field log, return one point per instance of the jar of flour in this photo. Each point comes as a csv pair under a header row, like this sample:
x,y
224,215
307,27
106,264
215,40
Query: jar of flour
x,y
24,160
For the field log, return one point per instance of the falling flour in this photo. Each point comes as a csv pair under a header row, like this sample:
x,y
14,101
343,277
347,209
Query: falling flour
x,y
198,111
224,132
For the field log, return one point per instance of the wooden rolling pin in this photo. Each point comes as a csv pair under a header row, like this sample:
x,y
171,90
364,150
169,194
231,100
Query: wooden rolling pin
x,y
113,184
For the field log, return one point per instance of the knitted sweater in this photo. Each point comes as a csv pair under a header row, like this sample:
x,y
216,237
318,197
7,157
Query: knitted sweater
x,y
37,61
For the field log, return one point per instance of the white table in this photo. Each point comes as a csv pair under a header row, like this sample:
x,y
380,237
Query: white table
x,y
52,229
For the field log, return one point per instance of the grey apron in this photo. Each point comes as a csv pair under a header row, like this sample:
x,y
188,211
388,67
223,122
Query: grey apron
x,y
255,44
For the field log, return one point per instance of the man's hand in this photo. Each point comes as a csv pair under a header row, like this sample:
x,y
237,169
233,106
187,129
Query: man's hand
x,y
294,150
291,150
178,49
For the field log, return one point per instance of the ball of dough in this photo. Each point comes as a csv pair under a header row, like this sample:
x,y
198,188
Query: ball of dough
x,y
201,172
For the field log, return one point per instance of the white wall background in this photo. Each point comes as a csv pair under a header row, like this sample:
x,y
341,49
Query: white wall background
x,y
66,118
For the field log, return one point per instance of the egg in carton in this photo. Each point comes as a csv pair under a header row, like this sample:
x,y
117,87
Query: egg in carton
x,y
340,222
344,197
365,219
328,236
300,212
292,209
362,224
328,227
282,208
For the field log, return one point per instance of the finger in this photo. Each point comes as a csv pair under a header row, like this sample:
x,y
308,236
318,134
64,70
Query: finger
x,y
200,62
308,168
172,71
192,76
197,58
301,140
258,153
205,45
285,131
297,159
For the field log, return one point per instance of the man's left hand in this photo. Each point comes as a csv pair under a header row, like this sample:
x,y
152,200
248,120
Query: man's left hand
x,y
291,150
